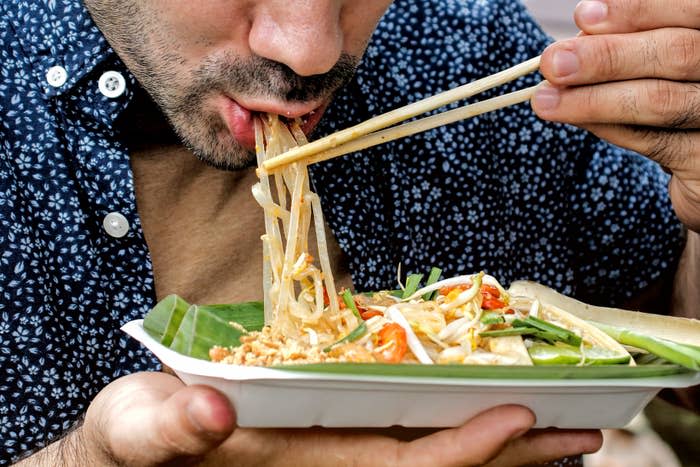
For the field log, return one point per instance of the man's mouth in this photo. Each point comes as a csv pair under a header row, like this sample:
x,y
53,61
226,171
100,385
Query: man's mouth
x,y
240,118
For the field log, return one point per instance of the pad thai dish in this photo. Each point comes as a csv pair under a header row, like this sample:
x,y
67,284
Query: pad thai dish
x,y
469,319
465,320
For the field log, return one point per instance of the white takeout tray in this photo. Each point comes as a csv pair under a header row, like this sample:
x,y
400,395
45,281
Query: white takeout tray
x,y
266,397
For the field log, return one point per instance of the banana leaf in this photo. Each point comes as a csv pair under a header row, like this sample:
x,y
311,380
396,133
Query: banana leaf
x,y
163,321
201,327
549,372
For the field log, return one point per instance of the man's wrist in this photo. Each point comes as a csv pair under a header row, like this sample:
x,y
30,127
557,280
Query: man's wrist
x,y
75,447
686,286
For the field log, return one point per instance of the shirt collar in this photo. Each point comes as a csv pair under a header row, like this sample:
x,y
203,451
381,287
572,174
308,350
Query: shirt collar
x,y
62,33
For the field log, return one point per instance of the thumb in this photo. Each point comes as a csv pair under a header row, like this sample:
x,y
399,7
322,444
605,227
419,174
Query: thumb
x,y
190,423
156,419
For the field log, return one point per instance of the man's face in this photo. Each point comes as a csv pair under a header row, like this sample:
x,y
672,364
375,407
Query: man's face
x,y
211,64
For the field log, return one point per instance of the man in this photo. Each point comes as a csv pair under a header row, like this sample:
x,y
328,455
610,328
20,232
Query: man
x,y
505,192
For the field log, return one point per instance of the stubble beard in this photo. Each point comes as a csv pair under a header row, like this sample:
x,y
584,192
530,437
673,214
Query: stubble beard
x,y
183,93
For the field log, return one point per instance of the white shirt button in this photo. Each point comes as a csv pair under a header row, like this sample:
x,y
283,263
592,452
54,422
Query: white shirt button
x,y
57,76
115,224
112,84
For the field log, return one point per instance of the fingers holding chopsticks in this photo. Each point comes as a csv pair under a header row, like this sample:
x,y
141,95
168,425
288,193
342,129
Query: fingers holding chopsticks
x,y
644,102
633,79
624,16
668,53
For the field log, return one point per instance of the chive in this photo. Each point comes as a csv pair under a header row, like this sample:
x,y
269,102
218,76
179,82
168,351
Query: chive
x,y
507,332
432,278
672,351
548,336
523,331
355,334
412,283
563,335
492,317
350,303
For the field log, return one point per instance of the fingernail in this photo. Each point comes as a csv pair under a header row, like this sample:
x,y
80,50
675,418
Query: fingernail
x,y
591,12
565,63
546,98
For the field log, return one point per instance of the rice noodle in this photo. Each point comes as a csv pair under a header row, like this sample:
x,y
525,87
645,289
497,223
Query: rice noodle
x,y
293,287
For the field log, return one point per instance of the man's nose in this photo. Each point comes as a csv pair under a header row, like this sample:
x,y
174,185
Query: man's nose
x,y
304,35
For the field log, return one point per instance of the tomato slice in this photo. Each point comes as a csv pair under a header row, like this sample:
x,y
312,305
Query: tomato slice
x,y
490,303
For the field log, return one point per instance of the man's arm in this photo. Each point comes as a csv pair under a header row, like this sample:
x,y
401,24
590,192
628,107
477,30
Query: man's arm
x,y
685,301
68,451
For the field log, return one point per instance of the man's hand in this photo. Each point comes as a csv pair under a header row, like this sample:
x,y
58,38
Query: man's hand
x,y
633,78
152,419
499,437
149,419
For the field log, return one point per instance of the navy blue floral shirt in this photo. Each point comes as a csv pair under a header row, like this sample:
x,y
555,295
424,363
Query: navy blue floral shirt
x,y
504,192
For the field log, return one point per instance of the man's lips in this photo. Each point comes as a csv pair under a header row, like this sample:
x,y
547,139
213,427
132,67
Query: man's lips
x,y
240,120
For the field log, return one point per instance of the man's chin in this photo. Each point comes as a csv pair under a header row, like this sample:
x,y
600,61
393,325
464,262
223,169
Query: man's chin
x,y
235,158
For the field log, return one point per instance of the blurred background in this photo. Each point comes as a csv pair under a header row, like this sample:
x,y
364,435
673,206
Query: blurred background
x,y
556,16
666,436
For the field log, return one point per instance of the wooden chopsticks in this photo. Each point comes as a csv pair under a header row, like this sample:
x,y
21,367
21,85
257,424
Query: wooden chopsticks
x,y
374,131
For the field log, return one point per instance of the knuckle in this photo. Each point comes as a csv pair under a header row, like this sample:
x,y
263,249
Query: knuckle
x,y
610,57
668,148
670,103
629,104
683,53
633,13
692,12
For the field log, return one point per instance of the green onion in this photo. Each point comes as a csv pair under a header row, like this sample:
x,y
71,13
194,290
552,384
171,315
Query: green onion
x,y
507,332
563,335
432,278
672,351
355,334
523,331
412,283
350,303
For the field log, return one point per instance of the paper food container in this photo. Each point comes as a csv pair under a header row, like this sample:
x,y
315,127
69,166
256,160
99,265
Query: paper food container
x,y
380,395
